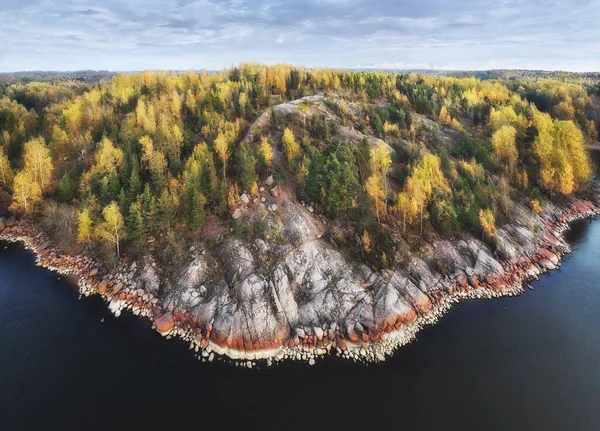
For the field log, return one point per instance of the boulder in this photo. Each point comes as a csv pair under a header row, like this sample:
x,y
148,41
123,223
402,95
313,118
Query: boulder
x,y
117,288
236,214
101,288
165,323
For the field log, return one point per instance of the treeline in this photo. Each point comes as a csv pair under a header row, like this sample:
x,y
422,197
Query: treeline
x,y
157,154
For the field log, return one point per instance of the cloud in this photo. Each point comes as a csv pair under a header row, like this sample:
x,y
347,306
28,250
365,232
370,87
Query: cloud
x,y
212,34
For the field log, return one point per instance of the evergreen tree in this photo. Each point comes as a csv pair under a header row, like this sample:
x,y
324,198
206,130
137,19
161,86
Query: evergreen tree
x,y
149,210
135,225
314,179
194,214
65,190
135,182
246,167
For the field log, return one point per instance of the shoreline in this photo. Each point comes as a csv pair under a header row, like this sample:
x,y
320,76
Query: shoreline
x,y
304,344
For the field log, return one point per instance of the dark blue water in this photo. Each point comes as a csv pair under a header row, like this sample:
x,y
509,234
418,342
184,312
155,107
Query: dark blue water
x,y
527,363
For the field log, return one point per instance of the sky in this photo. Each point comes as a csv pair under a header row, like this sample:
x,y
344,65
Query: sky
x,y
132,35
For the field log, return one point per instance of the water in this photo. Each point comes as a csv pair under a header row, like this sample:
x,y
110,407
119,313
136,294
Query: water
x,y
527,363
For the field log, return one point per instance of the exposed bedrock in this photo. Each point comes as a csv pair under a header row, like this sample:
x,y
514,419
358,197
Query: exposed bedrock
x,y
300,296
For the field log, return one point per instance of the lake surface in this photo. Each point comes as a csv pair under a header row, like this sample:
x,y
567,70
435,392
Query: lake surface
x,y
526,363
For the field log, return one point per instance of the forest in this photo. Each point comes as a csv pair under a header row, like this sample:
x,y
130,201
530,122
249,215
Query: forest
x,y
155,162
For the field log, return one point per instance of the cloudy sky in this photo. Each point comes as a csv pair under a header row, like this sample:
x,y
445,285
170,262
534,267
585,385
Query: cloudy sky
x,y
126,35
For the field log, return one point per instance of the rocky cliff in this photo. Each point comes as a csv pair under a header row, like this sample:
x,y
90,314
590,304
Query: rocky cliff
x,y
298,297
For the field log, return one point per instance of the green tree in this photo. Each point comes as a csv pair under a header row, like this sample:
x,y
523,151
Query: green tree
x,y
246,167
65,190
135,225
135,182
195,215
314,179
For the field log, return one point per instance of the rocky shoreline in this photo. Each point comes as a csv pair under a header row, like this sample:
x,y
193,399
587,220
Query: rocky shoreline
x,y
306,343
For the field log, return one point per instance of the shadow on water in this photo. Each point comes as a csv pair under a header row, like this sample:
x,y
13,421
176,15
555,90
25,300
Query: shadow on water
x,y
525,363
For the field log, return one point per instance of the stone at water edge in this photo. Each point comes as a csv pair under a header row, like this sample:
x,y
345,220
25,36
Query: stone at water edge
x,y
165,323
101,288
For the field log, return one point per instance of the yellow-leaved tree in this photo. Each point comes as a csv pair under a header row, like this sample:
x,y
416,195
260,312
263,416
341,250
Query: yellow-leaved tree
x,y
290,146
426,177
560,147
6,173
108,157
266,152
376,194
84,227
222,150
27,193
38,162
111,229
505,148
487,221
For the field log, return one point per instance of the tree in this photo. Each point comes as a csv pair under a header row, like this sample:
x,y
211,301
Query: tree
x,y
111,229
266,153
108,157
6,173
425,178
487,221
135,182
66,188
535,206
149,209
167,209
363,159
314,178
84,227
195,215
246,167
135,225
380,163
376,194
27,193
505,148
222,150
290,146
404,205
559,146
38,162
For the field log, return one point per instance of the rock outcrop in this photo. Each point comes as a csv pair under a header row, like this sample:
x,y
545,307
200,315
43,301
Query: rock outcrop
x,y
299,297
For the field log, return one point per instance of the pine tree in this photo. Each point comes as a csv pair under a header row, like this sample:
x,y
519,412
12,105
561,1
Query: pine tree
x,y
194,214
149,210
314,179
135,225
65,190
135,182
246,167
